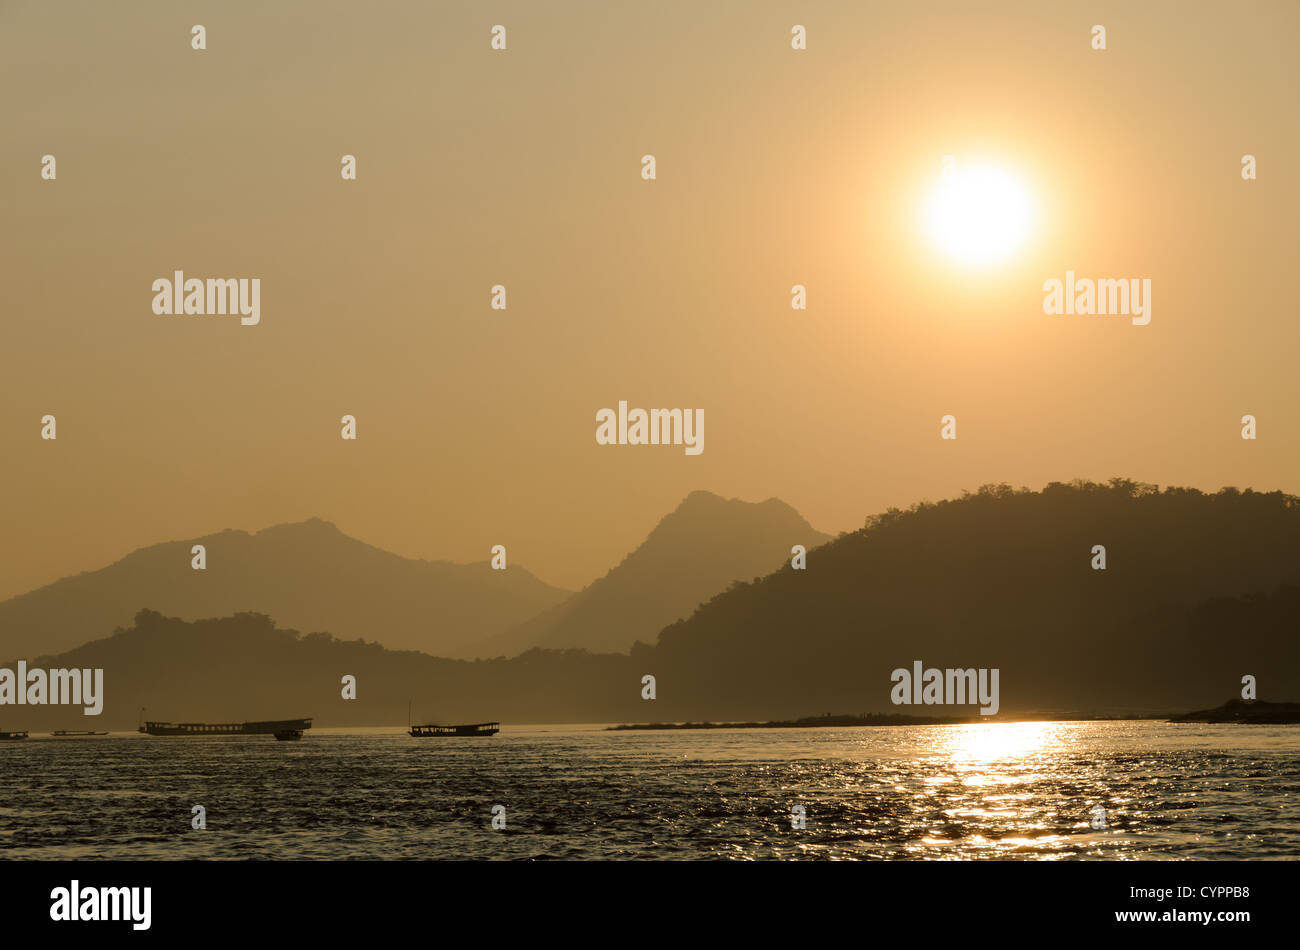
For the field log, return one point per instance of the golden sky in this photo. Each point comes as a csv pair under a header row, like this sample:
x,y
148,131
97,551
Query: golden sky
x,y
522,167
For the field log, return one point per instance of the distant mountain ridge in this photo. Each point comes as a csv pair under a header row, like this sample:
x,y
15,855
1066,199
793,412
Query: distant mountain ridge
x,y
1199,590
308,575
694,552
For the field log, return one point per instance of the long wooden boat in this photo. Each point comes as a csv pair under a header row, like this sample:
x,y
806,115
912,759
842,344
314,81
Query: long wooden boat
x,y
280,728
13,735
436,730
76,732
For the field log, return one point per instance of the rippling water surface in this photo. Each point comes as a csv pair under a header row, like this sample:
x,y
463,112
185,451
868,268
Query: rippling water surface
x,y
1014,790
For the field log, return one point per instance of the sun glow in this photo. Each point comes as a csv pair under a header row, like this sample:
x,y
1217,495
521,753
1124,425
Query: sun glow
x,y
1002,740
979,215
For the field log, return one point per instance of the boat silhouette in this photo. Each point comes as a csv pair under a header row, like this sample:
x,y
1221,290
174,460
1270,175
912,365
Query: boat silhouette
x,y
434,730
282,729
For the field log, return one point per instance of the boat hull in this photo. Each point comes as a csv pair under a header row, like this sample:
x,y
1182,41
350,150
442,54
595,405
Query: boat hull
x,y
438,731
266,728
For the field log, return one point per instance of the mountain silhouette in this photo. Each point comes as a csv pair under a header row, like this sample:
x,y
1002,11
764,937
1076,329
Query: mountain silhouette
x,y
308,575
245,667
1199,590
694,552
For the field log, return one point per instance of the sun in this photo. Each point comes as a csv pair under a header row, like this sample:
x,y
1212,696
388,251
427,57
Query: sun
x,y
979,215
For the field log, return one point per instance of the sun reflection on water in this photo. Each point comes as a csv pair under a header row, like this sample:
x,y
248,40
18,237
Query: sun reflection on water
x,y
976,798
1001,740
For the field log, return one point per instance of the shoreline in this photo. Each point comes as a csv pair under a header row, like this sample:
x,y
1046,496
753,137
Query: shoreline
x,y
872,719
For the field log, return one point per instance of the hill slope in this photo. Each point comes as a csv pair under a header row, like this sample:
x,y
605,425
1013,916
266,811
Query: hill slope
x,y
244,667
1194,595
693,553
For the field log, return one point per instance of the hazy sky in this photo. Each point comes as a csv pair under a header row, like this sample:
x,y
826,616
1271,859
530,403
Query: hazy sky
x,y
523,167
